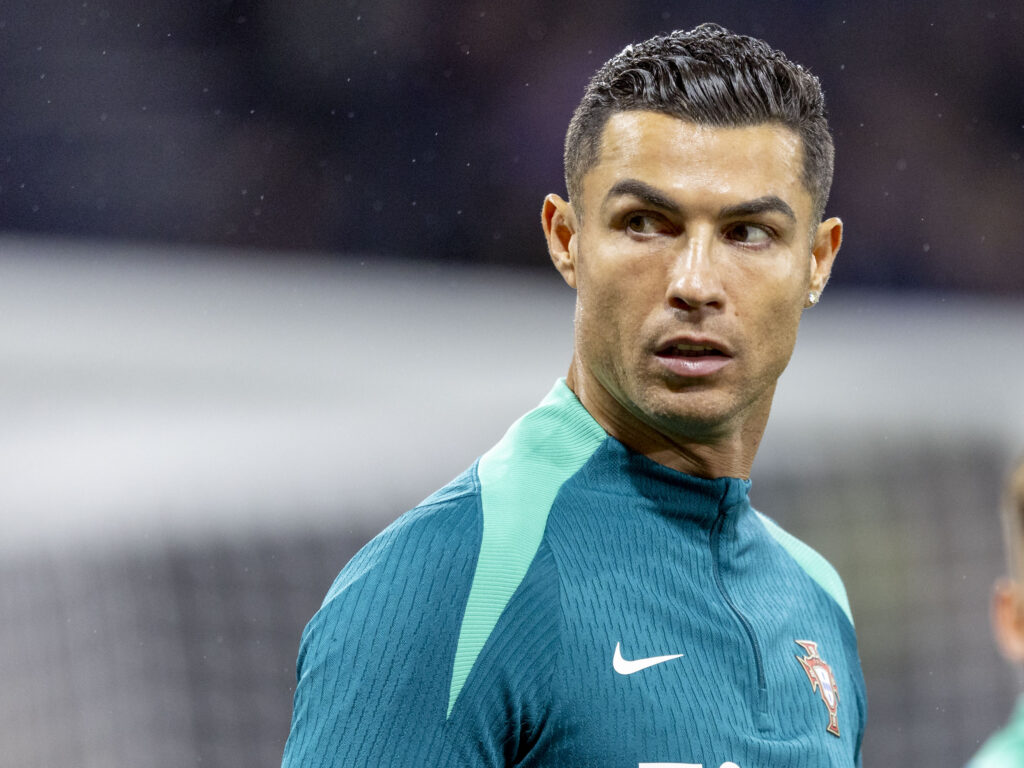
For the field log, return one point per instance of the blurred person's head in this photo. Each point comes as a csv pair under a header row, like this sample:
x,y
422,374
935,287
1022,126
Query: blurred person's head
x,y
707,76
1008,593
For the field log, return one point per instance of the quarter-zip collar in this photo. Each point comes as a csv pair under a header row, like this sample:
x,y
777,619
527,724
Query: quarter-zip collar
x,y
680,495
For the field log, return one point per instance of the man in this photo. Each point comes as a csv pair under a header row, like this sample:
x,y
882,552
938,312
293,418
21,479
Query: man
x,y
1005,748
596,590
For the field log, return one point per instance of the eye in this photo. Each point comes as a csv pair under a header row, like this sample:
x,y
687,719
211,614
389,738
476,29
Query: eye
x,y
646,224
749,234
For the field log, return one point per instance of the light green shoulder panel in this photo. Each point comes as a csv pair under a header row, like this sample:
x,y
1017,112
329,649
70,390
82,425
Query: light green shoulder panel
x,y
816,566
519,479
1005,748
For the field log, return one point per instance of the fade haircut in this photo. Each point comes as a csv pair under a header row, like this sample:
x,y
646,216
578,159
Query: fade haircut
x,y
708,76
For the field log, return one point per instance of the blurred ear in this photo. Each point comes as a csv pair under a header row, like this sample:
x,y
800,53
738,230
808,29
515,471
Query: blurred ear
x,y
827,239
559,221
1008,618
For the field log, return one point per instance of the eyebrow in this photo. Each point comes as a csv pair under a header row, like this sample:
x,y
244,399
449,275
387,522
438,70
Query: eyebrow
x,y
766,204
652,196
647,193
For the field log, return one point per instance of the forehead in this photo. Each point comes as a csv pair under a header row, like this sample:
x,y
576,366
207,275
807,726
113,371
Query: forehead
x,y
717,164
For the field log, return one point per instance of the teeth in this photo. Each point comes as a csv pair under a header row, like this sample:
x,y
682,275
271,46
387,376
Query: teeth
x,y
694,350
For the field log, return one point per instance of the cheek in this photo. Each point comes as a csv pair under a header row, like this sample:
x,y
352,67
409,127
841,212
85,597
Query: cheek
x,y
773,319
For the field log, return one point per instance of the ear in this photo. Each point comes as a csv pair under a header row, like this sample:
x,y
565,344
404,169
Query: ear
x,y
1008,618
827,239
559,222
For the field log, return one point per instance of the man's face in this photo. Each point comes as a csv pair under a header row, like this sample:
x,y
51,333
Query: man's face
x,y
692,259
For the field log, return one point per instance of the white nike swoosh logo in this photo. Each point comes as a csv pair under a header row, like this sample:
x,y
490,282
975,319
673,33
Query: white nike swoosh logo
x,y
627,667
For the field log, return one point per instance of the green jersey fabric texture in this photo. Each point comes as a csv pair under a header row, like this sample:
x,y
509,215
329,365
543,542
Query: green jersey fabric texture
x,y
1005,748
569,602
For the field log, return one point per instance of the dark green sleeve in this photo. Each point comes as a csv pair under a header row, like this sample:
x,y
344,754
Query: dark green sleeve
x,y
375,661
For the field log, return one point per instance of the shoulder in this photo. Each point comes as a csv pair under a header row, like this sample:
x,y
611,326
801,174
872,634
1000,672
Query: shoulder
x,y
1006,746
434,533
404,590
1001,750
813,563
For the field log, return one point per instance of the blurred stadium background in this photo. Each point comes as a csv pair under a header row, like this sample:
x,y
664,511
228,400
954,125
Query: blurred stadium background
x,y
270,272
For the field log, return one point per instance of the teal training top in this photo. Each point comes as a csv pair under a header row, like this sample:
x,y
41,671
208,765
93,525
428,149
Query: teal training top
x,y
568,602
1005,748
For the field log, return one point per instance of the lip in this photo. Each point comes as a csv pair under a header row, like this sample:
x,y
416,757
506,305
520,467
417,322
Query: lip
x,y
694,367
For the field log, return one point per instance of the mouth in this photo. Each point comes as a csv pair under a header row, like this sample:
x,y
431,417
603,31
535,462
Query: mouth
x,y
684,349
693,358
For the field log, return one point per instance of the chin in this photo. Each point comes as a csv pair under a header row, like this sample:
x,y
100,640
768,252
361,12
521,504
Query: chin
x,y
691,414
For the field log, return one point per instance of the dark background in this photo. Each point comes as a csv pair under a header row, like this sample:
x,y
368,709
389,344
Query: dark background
x,y
433,130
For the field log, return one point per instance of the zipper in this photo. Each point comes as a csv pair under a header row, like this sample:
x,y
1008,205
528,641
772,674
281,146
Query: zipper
x,y
762,717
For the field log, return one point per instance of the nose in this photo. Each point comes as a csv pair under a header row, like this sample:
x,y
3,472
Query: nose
x,y
694,279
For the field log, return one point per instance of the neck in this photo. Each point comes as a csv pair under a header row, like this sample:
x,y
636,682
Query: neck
x,y
721,450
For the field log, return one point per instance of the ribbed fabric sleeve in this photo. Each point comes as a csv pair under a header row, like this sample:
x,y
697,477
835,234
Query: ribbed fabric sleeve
x,y
374,662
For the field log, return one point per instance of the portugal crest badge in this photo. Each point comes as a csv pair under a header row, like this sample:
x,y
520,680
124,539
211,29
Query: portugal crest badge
x,y
822,681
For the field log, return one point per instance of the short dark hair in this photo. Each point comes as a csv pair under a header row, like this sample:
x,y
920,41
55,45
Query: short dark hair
x,y
709,76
